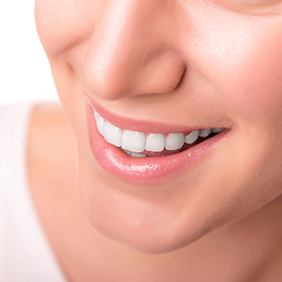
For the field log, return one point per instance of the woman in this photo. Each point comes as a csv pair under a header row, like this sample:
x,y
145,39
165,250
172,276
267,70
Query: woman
x,y
163,161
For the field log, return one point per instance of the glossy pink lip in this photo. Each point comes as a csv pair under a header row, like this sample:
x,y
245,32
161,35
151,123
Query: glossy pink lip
x,y
148,171
138,125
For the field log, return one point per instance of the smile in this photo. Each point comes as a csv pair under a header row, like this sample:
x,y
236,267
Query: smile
x,y
139,144
147,153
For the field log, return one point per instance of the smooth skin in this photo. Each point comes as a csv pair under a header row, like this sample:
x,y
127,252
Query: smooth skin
x,y
213,61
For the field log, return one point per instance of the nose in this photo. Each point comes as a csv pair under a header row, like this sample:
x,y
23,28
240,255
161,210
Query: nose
x,y
132,51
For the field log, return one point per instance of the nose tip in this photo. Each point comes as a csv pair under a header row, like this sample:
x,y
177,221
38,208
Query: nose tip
x,y
129,54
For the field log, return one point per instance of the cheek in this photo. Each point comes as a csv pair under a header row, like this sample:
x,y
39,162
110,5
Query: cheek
x,y
255,79
244,59
61,24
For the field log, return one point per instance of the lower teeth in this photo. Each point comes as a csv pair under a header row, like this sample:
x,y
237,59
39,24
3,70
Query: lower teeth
x,y
136,155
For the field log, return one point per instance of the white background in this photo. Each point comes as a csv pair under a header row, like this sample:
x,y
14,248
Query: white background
x,y
25,74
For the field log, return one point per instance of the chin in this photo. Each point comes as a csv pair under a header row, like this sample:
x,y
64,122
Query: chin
x,y
146,234
159,243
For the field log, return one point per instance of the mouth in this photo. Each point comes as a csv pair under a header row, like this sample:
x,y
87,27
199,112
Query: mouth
x,y
154,155
141,145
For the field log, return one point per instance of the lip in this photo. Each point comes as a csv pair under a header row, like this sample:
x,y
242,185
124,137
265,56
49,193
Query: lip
x,y
149,171
139,125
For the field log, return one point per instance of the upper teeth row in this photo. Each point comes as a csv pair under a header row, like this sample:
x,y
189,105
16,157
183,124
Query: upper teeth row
x,y
136,141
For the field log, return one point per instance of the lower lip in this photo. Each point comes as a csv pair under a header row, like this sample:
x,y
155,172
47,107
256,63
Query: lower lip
x,y
147,171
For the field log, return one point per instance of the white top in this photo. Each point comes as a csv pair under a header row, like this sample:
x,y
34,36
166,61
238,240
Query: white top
x,y
25,254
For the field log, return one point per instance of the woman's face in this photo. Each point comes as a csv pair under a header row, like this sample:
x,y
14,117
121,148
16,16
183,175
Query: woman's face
x,y
129,56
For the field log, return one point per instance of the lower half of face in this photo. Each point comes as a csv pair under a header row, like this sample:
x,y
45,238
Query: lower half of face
x,y
128,60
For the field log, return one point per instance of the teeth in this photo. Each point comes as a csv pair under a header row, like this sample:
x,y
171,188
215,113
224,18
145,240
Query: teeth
x,y
136,155
205,132
135,142
112,133
155,142
216,130
100,122
174,141
192,137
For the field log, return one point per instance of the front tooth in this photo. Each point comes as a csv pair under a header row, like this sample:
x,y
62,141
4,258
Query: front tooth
x,y
100,122
205,132
133,141
112,133
155,142
174,141
192,137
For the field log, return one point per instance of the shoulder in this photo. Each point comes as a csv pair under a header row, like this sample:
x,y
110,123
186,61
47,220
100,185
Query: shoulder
x,y
50,137
51,167
48,120
50,146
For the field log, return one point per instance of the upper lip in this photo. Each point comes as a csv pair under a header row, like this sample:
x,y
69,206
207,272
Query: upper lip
x,y
139,125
